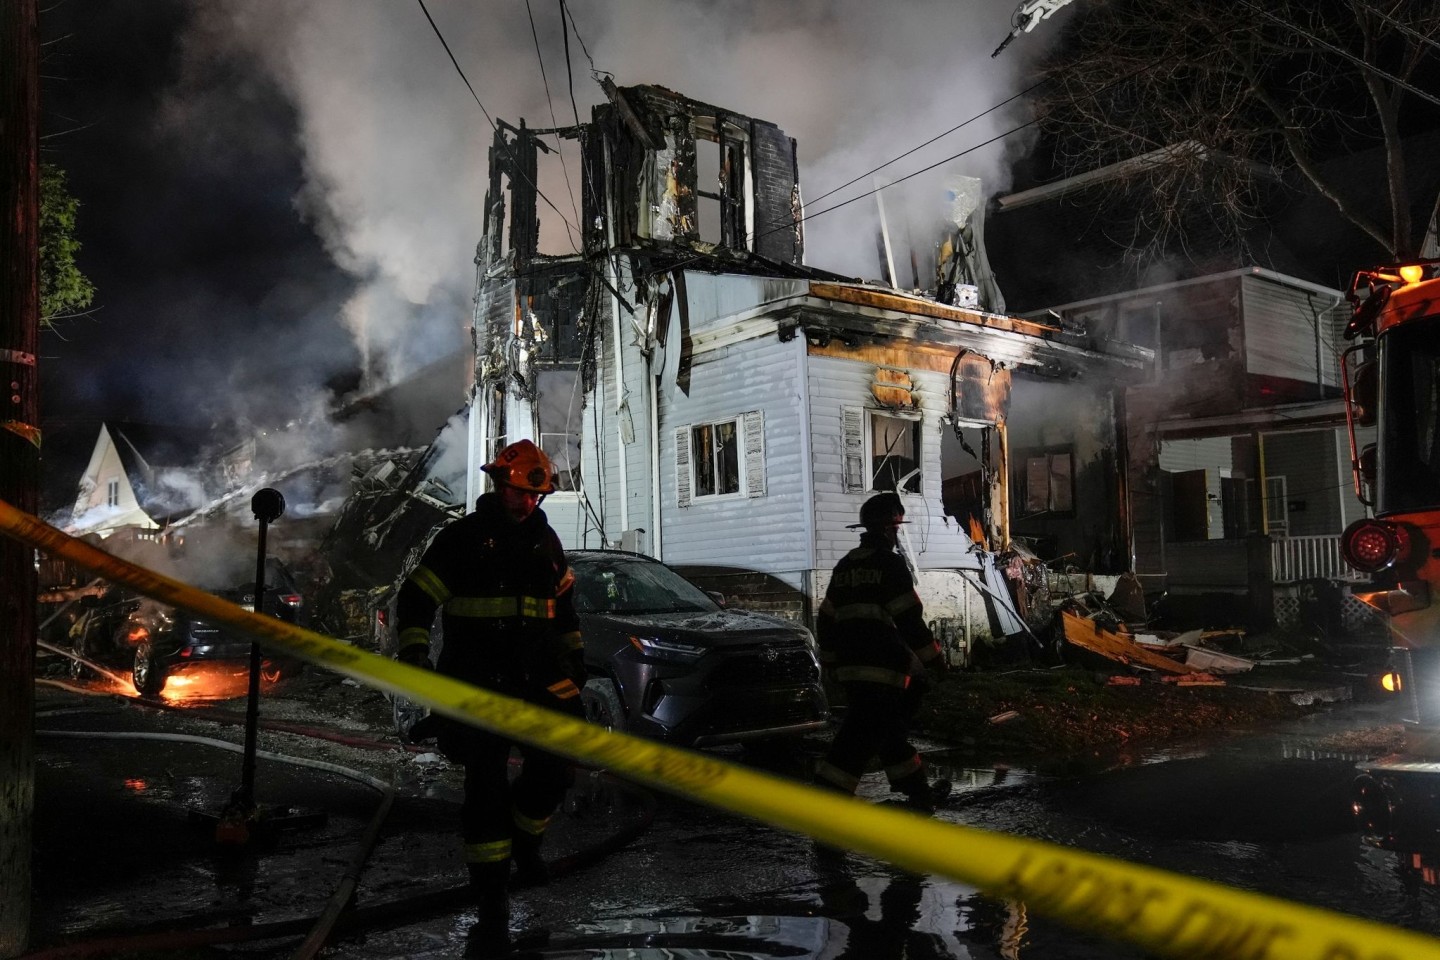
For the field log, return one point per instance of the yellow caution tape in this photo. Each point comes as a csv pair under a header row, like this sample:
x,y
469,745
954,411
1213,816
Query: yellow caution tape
x,y
1165,913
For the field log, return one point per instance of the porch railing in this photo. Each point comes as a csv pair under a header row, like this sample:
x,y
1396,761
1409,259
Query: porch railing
x,y
1309,558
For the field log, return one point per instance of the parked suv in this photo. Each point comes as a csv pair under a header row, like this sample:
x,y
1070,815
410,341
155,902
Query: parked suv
x,y
155,641
667,661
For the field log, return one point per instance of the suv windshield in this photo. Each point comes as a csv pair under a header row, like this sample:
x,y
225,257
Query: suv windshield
x,y
626,585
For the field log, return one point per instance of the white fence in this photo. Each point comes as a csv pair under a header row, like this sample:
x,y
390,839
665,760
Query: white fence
x,y
1309,558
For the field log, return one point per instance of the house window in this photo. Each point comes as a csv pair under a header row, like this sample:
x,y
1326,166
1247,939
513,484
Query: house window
x,y
558,407
715,447
720,176
112,493
720,458
1049,483
894,453
882,451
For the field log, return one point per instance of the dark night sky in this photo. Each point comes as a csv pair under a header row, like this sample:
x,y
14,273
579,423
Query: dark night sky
x,y
261,179
204,271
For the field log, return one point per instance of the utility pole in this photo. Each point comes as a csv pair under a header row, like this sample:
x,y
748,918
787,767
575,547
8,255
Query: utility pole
x,y
19,453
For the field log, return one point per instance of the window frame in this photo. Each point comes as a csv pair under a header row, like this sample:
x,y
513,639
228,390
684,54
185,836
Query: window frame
x,y
1023,476
860,456
749,459
578,473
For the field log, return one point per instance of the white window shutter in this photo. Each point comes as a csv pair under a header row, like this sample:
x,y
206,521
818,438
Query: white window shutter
x,y
682,466
754,453
853,448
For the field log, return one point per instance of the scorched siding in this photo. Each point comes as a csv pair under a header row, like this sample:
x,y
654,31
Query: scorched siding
x,y
834,384
766,533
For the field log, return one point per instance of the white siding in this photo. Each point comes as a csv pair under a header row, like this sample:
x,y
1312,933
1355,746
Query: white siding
x,y
714,299
836,384
1206,453
1289,332
765,533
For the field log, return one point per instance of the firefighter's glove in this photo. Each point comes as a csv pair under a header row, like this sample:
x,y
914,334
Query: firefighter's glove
x,y
416,655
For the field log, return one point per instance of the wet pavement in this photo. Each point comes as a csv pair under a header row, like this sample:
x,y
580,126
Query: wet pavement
x,y
125,844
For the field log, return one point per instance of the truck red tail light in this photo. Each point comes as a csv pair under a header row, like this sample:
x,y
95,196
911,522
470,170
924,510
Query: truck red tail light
x,y
1374,545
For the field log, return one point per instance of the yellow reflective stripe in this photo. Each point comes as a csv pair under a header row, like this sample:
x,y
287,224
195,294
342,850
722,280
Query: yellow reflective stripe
x,y
537,609
491,852
414,636
928,652
527,824
891,678
862,611
572,640
902,603
491,607
1164,914
566,582
565,689
424,578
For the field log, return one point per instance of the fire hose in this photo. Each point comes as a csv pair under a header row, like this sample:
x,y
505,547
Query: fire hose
x,y
335,916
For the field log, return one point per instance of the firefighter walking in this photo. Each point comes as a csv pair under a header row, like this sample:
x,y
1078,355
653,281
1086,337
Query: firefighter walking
x,y
500,578
873,637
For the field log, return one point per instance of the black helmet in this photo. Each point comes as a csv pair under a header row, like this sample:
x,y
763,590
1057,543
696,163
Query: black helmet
x,y
881,510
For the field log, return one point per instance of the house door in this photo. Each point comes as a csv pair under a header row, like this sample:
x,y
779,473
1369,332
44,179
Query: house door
x,y
1192,507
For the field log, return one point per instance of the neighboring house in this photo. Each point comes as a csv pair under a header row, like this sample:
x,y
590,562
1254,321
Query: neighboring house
x,y
140,478
1239,455
712,402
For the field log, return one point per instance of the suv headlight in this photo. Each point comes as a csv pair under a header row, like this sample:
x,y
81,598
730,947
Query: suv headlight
x,y
662,649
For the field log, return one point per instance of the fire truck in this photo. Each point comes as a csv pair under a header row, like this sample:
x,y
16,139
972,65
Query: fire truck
x,y
1391,379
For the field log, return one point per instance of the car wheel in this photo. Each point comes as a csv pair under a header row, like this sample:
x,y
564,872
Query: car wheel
x,y
148,673
602,704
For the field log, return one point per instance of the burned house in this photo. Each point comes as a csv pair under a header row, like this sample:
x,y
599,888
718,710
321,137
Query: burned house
x,y
711,401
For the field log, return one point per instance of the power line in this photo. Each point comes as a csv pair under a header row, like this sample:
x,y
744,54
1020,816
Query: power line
x,y
1343,54
1428,41
581,40
559,146
1026,92
488,118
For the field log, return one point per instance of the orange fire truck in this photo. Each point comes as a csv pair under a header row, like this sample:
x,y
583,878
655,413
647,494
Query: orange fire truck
x,y
1391,379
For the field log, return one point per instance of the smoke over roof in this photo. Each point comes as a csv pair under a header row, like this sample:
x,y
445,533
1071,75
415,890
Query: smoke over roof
x,y
257,121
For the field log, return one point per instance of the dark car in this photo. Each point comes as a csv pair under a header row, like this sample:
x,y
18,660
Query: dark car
x,y
155,641
668,662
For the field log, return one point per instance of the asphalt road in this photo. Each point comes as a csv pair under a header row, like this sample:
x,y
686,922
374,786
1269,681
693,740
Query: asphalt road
x,y
125,844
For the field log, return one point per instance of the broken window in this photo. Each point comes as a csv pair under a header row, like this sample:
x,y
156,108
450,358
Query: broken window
x,y
964,488
720,195
720,458
558,408
1049,483
894,453
716,458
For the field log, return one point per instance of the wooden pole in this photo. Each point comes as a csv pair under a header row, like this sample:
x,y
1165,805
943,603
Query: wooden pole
x,y
19,454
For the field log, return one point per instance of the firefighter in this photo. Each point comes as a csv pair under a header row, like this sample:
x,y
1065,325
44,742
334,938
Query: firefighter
x,y
873,637
500,577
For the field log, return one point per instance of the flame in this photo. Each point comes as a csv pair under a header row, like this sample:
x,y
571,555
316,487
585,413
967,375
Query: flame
x,y
136,784
977,532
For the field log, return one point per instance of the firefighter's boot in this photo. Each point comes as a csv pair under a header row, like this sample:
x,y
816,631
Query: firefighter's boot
x,y
490,936
920,793
531,870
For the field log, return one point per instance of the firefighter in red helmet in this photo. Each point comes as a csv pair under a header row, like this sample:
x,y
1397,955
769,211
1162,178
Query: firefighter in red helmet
x,y
500,579
873,636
